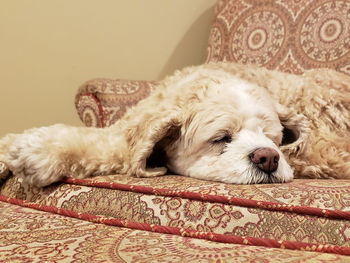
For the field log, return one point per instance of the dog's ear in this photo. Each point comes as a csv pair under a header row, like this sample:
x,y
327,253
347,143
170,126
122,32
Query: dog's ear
x,y
295,129
148,140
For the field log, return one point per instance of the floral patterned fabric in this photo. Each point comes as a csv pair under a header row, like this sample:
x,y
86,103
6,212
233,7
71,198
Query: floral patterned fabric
x,y
29,235
298,215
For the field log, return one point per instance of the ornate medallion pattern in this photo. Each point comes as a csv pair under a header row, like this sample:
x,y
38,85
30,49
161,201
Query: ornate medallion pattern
x,y
291,36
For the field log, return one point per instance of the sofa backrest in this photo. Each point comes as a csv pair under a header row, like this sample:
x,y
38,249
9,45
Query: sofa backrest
x,y
286,35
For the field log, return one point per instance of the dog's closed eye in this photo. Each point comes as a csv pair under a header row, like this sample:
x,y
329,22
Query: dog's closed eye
x,y
224,138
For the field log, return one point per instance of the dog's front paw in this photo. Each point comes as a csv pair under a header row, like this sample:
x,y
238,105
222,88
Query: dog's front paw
x,y
32,157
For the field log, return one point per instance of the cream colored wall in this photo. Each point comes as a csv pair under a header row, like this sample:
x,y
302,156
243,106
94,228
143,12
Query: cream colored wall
x,y
48,48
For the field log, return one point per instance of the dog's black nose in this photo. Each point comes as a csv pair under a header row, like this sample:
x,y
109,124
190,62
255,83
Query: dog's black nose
x,y
266,159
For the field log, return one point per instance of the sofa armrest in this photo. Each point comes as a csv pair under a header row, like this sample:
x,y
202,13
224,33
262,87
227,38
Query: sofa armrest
x,y
101,102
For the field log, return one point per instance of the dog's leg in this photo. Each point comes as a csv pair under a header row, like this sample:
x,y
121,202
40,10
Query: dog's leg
x,y
46,155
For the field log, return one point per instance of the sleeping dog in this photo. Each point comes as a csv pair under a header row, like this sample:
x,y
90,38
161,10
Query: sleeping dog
x,y
219,121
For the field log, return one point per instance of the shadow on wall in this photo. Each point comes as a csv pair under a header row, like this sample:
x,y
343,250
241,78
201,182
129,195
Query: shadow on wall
x,y
192,49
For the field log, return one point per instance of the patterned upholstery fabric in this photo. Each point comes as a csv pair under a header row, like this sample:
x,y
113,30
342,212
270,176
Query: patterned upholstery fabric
x,y
100,102
176,219
29,235
301,215
287,35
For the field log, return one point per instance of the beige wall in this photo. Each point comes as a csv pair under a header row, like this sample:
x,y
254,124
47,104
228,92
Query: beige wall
x,y
48,48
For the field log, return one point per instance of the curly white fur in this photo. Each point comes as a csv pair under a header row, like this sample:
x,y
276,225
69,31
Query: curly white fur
x,y
204,122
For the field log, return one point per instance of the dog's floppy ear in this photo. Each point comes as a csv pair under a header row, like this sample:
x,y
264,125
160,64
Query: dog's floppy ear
x,y
148,140
295,129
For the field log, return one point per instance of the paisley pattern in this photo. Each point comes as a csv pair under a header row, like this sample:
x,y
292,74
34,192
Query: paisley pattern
x,y
291,36
28,235
306,211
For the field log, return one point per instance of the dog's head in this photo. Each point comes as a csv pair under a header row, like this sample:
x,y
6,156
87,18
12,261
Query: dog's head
x,y
229,131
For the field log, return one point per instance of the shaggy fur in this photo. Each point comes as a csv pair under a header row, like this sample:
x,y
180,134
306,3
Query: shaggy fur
x,y
204,122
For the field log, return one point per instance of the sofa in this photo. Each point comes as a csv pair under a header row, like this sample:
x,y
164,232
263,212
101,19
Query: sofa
x,y
172,218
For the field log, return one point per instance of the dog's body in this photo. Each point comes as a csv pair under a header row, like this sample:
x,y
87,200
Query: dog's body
x,y
223,122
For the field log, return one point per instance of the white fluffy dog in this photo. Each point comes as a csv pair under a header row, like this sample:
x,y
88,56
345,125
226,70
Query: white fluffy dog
x,y
223,122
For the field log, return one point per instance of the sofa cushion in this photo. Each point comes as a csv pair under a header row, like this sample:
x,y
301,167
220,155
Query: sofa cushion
x,y
29,235
290,36
300,214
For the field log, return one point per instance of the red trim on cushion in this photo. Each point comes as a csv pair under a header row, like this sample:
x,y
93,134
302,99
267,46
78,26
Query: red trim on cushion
x,y
185,232
274,206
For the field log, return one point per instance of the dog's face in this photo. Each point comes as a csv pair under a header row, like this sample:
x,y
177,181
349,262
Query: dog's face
x,y
231,134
